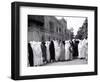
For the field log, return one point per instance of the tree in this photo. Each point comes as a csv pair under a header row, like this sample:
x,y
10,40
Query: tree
x,y
83,31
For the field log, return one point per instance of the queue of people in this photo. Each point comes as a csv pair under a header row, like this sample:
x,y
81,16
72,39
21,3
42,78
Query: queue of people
x,y
41,53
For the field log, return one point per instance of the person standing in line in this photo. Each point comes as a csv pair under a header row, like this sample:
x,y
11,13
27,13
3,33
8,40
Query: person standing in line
x,y
48,52
80,49
30,55
44,55
62,53
86,51
71,49
52,51
67,52
76,49
57,50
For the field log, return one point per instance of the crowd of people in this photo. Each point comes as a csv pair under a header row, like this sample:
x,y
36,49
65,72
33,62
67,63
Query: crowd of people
x,y
41,53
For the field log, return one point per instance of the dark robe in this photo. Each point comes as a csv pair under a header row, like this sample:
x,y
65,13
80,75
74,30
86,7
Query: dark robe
x,y
43,48
71,49
52,51
75,55
30,56
76,47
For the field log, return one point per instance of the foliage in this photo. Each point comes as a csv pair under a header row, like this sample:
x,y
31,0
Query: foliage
x,y
83,31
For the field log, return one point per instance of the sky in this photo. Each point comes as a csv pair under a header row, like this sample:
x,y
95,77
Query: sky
x,y
73,22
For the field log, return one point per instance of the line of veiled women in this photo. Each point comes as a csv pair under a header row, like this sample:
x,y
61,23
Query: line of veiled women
x,y
41,53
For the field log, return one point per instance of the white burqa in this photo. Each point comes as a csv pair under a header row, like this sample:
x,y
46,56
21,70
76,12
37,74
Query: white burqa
x,y
83,49
47,52
57,50
67,52
36,46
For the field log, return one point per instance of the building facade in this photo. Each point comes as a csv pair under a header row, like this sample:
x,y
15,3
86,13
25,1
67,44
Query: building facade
x,y
46,28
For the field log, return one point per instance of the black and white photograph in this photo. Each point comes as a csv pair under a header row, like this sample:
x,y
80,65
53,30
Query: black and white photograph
x,y
53,40
57,40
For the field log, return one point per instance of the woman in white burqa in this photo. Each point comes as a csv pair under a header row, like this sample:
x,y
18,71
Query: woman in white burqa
x,y
48,52
83,49
57,50
67,52
38,60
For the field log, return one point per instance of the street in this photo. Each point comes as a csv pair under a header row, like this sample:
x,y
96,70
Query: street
x,y
71,62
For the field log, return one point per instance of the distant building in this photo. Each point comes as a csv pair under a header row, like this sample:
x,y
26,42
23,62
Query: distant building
x,y
47,28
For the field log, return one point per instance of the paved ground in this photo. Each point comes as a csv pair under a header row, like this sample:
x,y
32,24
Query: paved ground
x,y
72,62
